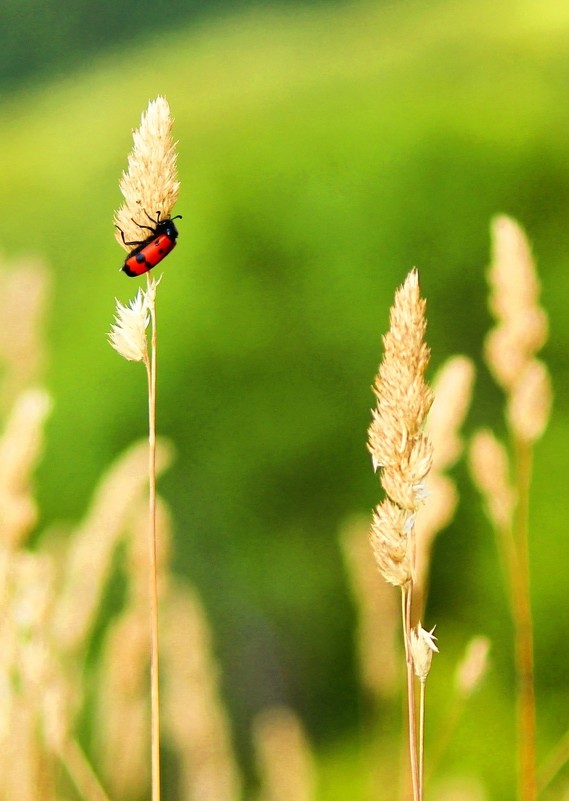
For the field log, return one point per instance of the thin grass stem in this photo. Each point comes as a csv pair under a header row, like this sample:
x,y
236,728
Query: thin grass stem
x,y
526,715
80,772
153,577
422,688
406,601
556,760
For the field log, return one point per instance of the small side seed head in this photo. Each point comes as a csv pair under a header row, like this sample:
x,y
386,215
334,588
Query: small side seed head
x,y
423,647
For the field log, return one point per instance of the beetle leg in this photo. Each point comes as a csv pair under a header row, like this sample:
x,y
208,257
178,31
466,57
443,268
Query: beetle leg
x,y
124,240
155,221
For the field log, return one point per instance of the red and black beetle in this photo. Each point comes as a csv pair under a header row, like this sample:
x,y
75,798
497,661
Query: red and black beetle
x,y
150,251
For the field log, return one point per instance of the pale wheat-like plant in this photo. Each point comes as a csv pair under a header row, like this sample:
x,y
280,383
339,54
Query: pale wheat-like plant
x,y
377,613
53,614
376,609
452,389
504,477
402,453
149,187
285,762
25,290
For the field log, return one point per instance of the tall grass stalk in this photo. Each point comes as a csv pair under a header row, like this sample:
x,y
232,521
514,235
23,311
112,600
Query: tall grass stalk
x,y
81,773
150,188
415,761
526,712
510,349
402,453
150,364
422,648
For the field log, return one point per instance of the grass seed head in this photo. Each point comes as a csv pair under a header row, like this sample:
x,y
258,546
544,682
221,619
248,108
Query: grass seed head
x,y
283,755
521,324
20,447
377,612
529,404
150,185
128,333
25,291
391,542
452,389
490,470
396,440
423,647
473,666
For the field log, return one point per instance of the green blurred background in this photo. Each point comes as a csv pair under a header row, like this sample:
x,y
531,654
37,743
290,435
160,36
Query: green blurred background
x,y
324,149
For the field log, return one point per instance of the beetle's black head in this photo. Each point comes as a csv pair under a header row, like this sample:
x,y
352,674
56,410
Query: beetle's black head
x,y
167,227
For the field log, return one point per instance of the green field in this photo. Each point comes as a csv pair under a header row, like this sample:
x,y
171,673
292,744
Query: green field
x,y
323,152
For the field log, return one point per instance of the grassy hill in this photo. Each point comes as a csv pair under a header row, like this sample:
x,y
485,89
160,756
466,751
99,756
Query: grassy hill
x,y
322,154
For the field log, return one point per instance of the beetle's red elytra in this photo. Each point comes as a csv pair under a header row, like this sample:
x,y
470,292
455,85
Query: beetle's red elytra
x,y
150,251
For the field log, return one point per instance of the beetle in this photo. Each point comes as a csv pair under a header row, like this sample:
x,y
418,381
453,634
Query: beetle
x,y
150,251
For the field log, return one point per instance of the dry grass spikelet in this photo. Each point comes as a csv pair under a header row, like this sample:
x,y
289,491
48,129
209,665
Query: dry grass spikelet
x,y
423,646
37,705
150,185
521,324
473,666
92,548
396,440
520,332
377,609
194,718
511,348
391,542
128,333
122,699
123,705
20,447
529,405
136,562
283,757
452,389
25,290
489,466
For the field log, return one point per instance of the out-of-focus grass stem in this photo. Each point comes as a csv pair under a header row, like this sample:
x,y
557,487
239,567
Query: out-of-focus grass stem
x,y
523,622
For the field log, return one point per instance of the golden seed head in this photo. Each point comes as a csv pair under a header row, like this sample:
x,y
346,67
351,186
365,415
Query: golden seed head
x,y
25,291
432,517
473,666
489,467
128,333
529,404
95,541
283,755
423,646
395,437
403,397
404,485
391,543
194,716
150,185
521,328
377,611
452,389
20,447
